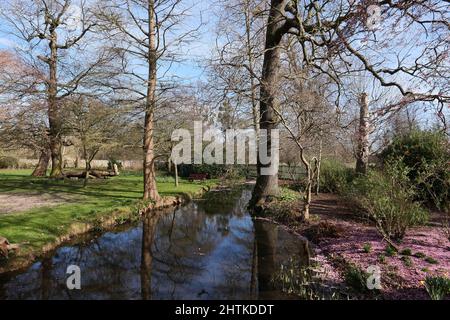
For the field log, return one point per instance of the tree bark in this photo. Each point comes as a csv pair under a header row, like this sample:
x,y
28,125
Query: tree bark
x,y
150,189
41,168
319,163
267,185
53,112
362,154
175,165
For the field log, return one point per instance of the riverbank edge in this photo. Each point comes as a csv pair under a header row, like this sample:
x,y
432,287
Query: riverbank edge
x,y
327,271
107,220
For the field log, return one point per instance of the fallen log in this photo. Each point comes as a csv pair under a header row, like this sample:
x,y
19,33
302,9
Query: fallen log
x,y
92,174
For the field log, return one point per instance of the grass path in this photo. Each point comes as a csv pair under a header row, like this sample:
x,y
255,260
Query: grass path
x,y
40,226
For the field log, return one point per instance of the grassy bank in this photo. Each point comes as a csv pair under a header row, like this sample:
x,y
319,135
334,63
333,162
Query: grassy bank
x,y
38,227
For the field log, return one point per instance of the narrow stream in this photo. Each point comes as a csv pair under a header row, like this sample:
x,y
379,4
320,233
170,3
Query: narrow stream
x,y
208,249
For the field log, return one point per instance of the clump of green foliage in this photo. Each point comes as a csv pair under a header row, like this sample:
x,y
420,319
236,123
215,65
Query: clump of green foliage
x,y
287,194
438,287
431,260
419,255
8,162
407,261
367,247
390,251
406,252
334,176
356,278
387,197
293,278
215,170
426,154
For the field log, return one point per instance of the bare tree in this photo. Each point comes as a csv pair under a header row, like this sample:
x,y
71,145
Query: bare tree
x,y
236,66
362,154
149,34
94,126
51,38
332,35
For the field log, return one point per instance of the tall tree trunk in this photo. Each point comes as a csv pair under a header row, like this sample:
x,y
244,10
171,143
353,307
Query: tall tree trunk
x,y
307,197
362,153
267,185
150,189
41,168
175,165
53,112
319,163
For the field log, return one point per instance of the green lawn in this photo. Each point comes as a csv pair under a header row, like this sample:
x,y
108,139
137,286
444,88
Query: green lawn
x,y
40,226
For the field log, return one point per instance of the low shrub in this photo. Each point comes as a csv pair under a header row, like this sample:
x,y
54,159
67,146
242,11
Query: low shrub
x,y
388,199
419,255
390,251
356,278
8,162
407,261
431,260
406,252
426,154
367,247
323,230
438,287
334,176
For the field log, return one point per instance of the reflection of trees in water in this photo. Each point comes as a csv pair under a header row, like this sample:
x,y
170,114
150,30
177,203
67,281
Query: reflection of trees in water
x,y
231,201
182,253
180,247
148,235
274,247
266,245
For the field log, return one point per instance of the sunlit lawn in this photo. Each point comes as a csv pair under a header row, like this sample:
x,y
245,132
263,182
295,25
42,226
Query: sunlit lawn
x,y
39,226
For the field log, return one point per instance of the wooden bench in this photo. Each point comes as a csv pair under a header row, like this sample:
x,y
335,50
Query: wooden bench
x,y
198,176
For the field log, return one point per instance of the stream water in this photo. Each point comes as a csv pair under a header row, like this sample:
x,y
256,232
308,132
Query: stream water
x,y
208,249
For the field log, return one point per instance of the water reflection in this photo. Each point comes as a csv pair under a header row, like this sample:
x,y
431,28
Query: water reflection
x,y
205,250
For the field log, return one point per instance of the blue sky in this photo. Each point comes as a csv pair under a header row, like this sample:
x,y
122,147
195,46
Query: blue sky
x,y
193,53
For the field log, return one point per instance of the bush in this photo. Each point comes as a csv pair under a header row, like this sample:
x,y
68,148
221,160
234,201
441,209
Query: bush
x,y
426,154
334,176
437,287
356,278
367,247
8,163
112,162
214,170
388,199
323,230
